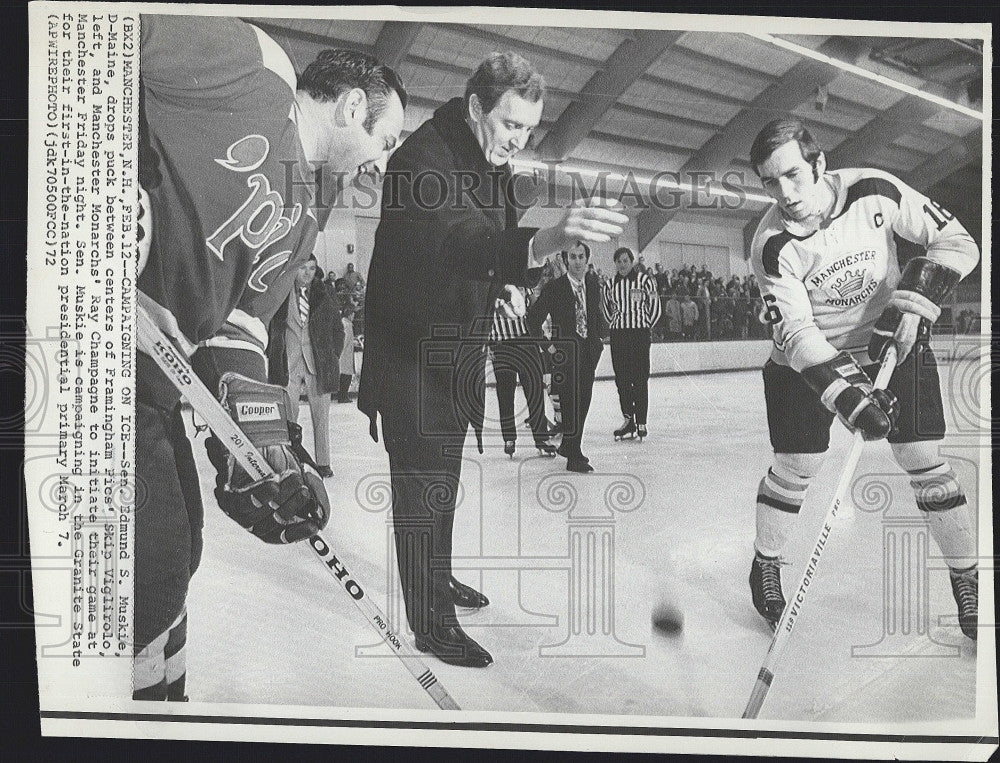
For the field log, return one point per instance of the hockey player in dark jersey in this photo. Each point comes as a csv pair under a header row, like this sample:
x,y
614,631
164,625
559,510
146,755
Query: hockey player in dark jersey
x,y
825,256
230,141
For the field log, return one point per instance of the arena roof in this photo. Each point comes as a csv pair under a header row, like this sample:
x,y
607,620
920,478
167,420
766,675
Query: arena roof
x,y
652,101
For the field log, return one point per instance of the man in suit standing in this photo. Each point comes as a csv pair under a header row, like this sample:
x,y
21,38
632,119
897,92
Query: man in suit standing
x,y
447,246
574,303
306,338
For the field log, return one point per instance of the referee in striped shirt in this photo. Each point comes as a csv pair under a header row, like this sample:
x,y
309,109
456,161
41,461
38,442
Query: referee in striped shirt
x,y
632,308
516,356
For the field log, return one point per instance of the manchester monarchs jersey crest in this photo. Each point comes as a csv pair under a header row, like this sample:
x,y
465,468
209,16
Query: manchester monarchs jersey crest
x,y
824,289
850,280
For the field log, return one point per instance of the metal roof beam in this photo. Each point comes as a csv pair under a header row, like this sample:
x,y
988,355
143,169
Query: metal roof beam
x,y
968,150
699,92
394,41
881,132
312,38
794,87
630,60
465,73
503,41
637,111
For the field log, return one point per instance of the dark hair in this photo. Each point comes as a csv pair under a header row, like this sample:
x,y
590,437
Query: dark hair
x,y
501,72
336,71
586,251
779,132
623,250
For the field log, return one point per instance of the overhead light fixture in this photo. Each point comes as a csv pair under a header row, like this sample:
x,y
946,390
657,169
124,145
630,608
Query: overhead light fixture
x,y
822,94
864,73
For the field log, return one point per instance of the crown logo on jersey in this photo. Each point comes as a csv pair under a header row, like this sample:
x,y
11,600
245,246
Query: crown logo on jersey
x,y
849,283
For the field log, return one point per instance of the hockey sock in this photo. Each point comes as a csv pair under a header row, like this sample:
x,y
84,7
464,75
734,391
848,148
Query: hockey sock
x,y
175,661
779,499
149,681
941,500
161,662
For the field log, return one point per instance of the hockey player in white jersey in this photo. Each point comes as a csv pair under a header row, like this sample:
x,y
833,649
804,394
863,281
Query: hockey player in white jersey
x,y
825,256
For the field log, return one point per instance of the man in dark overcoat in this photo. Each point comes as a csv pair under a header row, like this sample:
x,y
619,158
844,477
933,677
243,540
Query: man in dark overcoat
x,y
447,246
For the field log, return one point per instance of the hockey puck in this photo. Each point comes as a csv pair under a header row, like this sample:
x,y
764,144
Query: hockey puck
x,y
667,619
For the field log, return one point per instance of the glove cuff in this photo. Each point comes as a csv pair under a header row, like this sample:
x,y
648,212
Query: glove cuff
x,y
929,279
830,379
260,409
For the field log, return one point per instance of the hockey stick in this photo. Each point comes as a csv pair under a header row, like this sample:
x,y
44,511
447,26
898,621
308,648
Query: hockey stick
x,y
789,617
175,365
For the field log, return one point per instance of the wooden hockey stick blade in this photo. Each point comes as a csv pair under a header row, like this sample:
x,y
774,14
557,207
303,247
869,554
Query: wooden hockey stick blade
x,y
177,368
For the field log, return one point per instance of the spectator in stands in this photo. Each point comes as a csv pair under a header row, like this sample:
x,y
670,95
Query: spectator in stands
x,y
741,313
353,278
758,329
683,284
689,316
672,311
660,276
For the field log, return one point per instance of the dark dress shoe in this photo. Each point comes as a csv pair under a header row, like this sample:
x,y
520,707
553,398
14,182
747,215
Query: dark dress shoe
x,y
571,455
578,465
324,471
454,646
466,596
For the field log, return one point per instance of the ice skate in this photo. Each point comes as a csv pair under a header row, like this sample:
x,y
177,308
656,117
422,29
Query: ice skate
x,y
965,587
765,587
545,448
627,429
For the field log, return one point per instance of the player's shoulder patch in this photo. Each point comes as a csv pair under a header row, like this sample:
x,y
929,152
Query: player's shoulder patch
x,y
771,251
274,58
866,183
769,241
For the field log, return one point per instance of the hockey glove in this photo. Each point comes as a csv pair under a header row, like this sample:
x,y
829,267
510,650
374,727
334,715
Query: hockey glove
x,y
285,508
913,307
847,391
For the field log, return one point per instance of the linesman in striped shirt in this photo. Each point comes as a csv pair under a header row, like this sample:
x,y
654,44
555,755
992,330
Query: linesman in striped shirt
x,y
516,356
632,308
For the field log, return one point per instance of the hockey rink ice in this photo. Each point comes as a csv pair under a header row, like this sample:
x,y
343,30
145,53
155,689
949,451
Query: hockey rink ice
x,y
670,520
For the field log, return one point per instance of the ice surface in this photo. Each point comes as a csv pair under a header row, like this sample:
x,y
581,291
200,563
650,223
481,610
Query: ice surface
x,y
267,625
